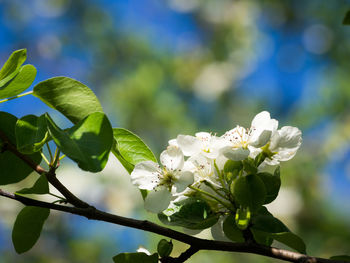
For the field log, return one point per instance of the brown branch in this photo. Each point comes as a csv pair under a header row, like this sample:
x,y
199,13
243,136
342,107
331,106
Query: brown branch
x,y
183,257
195,243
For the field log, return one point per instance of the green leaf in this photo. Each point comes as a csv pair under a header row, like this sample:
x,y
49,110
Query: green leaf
x,y
27,228
88,143
164,248
232,169
69,96
40,187
291,240
272,184
12,168
249,191
231,230
135,258
341,257
249,166
261,237
268,223
266,226
346,20
20,83
12,66
31,133
191,213
130,149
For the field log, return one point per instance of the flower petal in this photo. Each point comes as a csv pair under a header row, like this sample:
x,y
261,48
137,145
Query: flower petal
x,y
189,145
146,175
285,143
159,200
172,158
235,154
185,179
263,121
258,138
261,129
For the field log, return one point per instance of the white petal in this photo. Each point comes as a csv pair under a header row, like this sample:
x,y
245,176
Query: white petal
x,y
214,146
157,201
189,144
203,136
261,129
286,139
259,138
172,158
145,175
185,179
173,142
263,121
235,154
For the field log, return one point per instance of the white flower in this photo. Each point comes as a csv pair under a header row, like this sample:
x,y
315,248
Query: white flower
x,y
149,175
202,168
203,143
283,145
240,141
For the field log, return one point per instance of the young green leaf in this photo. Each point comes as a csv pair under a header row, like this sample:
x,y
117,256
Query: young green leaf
x,y
12,168
191,213
164,248
69,96
31,133
135,257
249,166
232,169
231,230
249,191
27,228
19,83
88,143
12,66
40,187
130,149
272,184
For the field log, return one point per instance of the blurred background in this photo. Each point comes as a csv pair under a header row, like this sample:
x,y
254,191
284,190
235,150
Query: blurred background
x,y
165,67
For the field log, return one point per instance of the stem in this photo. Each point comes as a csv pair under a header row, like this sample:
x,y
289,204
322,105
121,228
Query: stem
x,y
207,183
62,157
17,96
50,153
59,197
222,181
228,206
44,157
56,158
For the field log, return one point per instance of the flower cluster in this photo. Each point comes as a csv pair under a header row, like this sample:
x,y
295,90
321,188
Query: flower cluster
x,y
194,165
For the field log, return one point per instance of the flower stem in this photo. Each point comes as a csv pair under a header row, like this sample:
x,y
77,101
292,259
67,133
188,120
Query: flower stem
x,y
17,96
213,188
228,206
44,157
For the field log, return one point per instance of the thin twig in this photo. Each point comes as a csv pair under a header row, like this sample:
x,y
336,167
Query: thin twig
x,y
197,243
